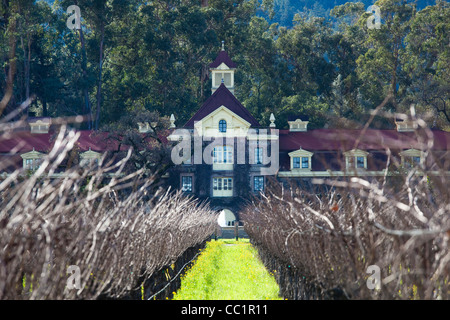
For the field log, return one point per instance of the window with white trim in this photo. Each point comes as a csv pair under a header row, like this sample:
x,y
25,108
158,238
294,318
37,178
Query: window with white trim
x,y
305,162
90,158
186,183
222,126
222,187
296,162
300,162
258,183
223,154
32,164
356,159
360,162
411,158
300,159
32,160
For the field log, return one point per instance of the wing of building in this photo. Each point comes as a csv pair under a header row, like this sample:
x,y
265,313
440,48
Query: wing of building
x,y
228,156
238,156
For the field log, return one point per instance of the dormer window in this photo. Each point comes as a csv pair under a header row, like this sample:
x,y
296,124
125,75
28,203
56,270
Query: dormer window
x,y
298,125
222,126
360,162
405,125
89,158
32,164
301,159
41,125
300,162
411,158
356,159
32,160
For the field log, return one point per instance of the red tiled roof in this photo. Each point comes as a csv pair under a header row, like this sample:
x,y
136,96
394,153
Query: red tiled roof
x,y
312,140
9,163
223,57
25,141
222,97
17,143
345,139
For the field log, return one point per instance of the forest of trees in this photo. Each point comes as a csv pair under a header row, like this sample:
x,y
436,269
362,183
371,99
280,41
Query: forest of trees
x,y
135,55
285,10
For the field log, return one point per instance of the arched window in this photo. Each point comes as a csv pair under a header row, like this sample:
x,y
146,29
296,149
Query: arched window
x,y
222,126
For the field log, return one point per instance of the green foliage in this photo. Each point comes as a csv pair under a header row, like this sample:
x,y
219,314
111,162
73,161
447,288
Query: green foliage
x,y
427,60
228,270
155,55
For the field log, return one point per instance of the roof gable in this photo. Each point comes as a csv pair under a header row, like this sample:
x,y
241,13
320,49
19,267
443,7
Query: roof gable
x,y
235,125
226,110
222,97
223,57
32,155
356,153
300,152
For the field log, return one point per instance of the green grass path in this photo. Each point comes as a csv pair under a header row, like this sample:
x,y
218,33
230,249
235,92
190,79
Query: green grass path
x,y
227,270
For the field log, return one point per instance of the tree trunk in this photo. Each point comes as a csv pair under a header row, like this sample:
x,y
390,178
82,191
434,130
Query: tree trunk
x,y
28,69
11,57
203,79
26,64
87,106
44,108
100,68
394,72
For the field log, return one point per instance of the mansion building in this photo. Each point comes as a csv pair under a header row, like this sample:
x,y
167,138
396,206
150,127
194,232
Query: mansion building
x,y
225,156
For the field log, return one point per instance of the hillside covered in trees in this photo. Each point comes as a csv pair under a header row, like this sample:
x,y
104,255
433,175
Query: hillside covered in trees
x,y
133,55
285,10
